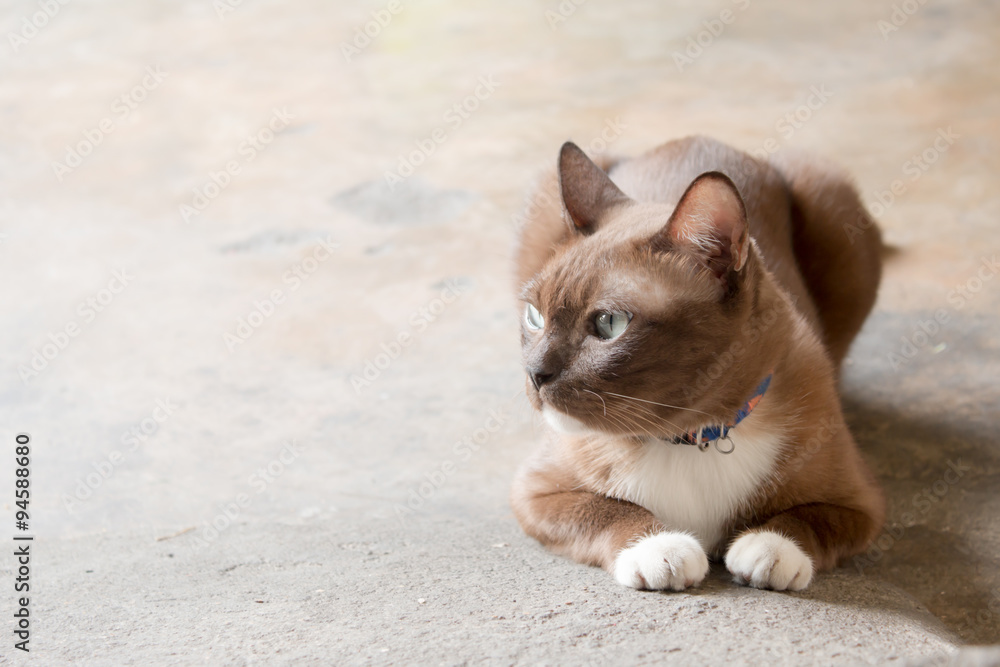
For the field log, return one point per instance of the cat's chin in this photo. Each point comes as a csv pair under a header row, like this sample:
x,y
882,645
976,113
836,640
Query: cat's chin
x,y
564,424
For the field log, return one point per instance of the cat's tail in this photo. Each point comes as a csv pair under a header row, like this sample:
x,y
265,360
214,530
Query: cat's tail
x,y
890,251
837,243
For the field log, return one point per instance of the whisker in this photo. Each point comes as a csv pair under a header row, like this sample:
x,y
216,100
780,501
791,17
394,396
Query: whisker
x,y
639,418
617,421
665,405
602,400
639,426
642,412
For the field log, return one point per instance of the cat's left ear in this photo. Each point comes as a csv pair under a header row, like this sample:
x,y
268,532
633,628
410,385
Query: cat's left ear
x,y
587,191
710,222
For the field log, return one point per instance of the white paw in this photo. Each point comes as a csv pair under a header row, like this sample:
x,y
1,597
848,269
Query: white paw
x,y
664,560
767,559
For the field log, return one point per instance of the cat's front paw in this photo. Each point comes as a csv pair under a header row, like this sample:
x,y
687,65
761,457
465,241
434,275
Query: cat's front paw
x,y
766,559
665,560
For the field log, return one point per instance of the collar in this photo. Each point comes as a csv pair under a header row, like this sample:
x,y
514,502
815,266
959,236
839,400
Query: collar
x,y
706,435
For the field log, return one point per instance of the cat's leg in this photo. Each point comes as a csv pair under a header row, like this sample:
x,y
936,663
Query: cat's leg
x,y
623,538
784,552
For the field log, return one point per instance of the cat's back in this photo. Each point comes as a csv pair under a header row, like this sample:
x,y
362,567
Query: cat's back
x,y
664,173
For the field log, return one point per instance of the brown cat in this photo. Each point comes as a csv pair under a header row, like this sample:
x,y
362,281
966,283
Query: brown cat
x,y
686,313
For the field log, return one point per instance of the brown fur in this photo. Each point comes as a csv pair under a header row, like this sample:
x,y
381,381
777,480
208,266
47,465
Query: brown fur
x,y
790,297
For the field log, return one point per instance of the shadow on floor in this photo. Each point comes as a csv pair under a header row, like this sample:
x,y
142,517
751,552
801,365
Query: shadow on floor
x,y
939,543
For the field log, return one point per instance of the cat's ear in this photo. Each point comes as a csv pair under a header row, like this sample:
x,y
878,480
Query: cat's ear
x,y
587,191
710,222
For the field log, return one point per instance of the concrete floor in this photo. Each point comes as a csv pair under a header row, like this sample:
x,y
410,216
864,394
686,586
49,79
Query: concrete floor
x,y
160,414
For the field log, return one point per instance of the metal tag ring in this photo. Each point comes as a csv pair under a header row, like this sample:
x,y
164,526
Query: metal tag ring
x,y
732,445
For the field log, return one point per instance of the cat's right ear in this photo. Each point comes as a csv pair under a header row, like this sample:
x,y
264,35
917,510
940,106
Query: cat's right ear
x,y
587,191
710,223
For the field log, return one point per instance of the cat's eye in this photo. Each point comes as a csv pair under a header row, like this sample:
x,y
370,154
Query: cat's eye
x,y
611,325
533,318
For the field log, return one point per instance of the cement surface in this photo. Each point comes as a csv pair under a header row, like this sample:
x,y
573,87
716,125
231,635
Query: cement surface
x,y
174,406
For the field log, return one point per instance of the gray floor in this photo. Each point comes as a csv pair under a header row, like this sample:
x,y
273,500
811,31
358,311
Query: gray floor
x,y
287,494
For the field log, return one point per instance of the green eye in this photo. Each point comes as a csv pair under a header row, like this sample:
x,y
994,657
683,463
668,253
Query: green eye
x,y
533,318
611,325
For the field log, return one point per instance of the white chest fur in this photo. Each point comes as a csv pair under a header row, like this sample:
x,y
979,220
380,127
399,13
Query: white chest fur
x,y
685,488
697,491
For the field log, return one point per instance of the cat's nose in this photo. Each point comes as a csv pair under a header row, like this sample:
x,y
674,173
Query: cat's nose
x,y
538,377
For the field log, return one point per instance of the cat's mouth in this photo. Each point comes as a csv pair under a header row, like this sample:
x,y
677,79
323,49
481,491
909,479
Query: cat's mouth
x,y
563,420
559,413
594,412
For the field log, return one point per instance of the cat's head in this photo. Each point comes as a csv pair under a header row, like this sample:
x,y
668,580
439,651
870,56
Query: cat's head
x,y
641,298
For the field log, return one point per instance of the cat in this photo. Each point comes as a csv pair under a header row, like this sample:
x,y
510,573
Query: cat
x,y
685,317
